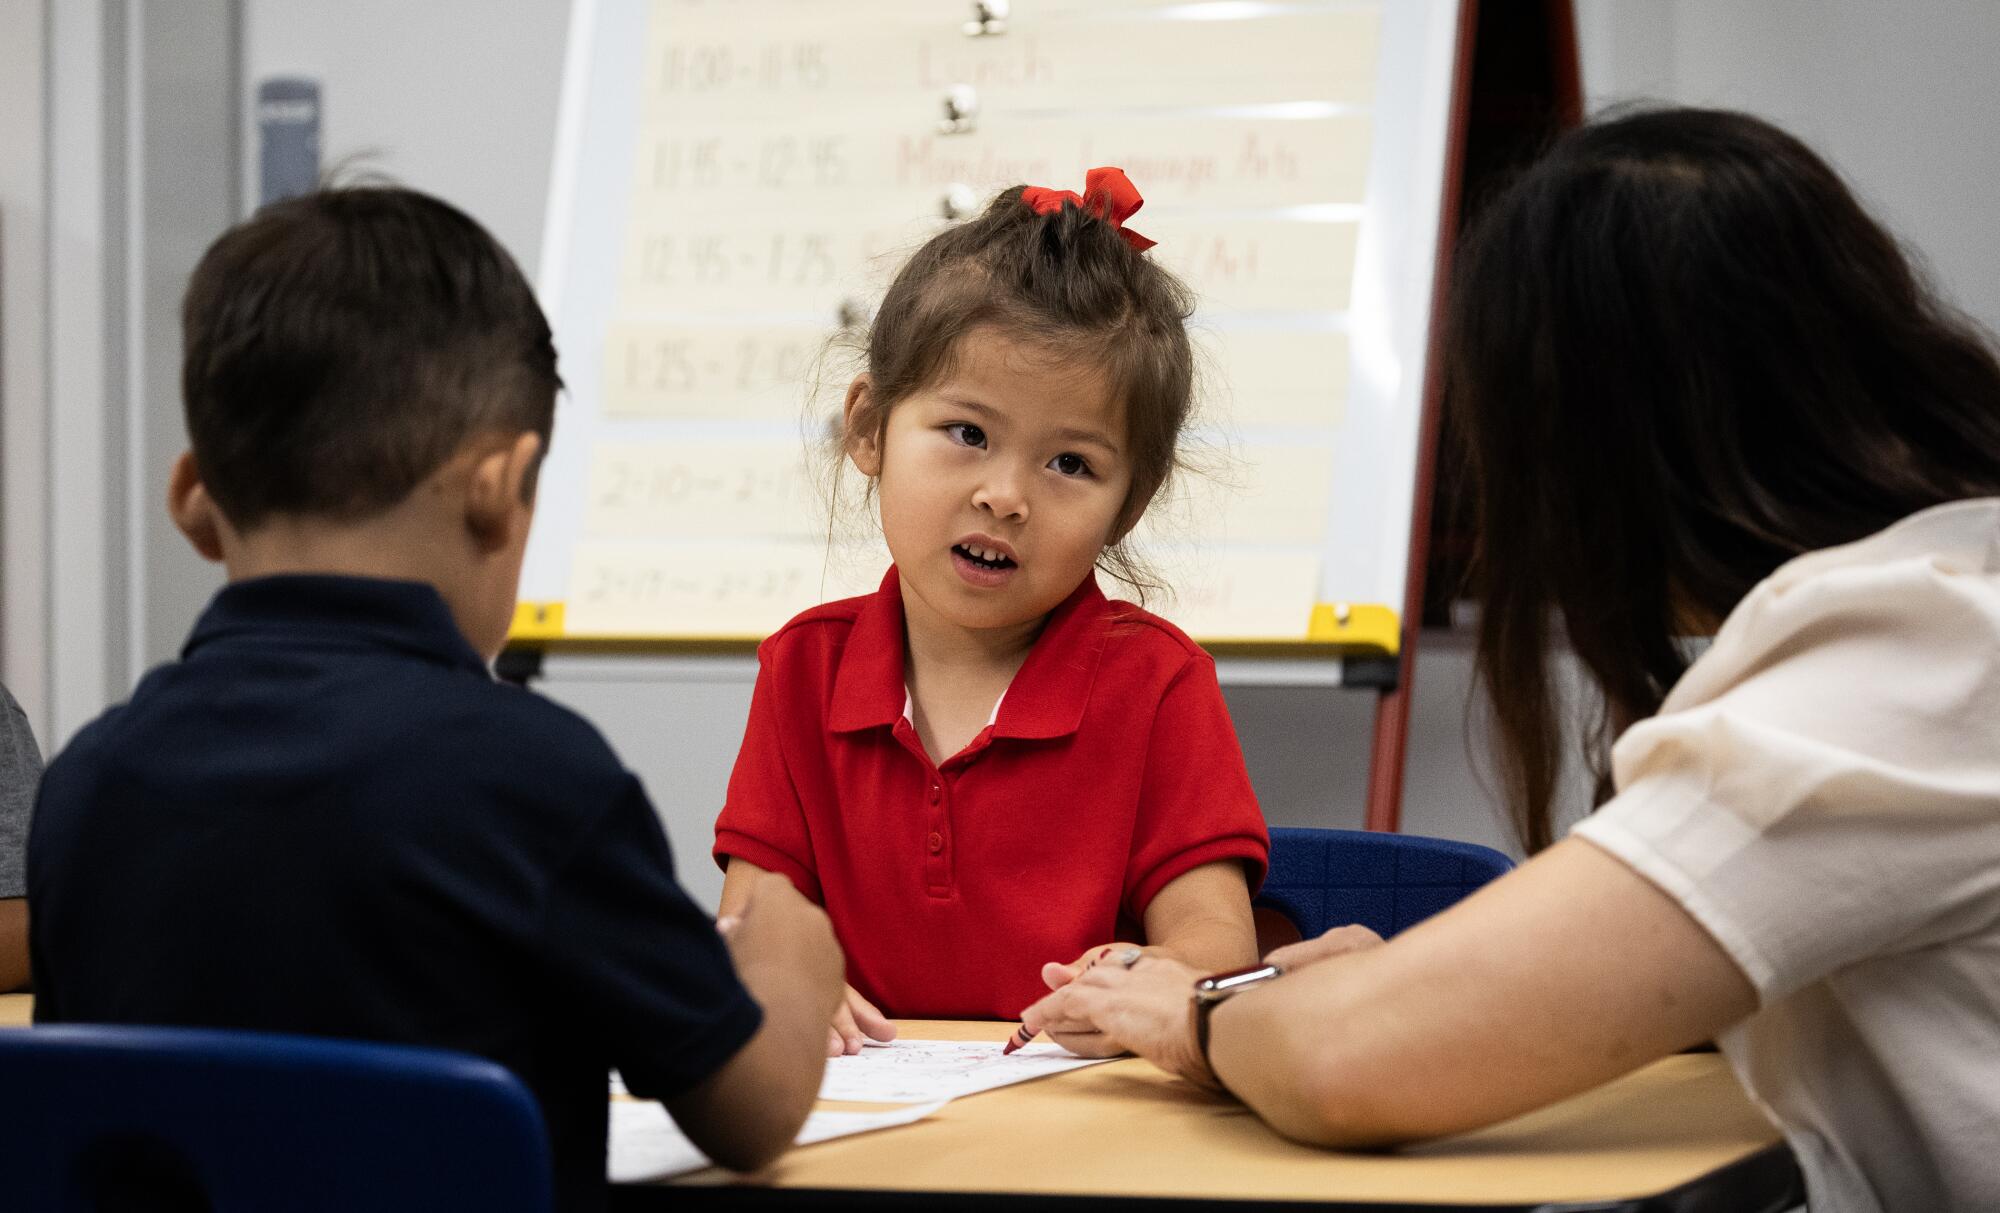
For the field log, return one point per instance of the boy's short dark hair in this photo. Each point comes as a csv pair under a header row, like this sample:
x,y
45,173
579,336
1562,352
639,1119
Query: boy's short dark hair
x,y
340,346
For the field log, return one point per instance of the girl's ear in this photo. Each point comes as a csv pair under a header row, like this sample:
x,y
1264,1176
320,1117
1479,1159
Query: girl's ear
x,y
1127,519
862,441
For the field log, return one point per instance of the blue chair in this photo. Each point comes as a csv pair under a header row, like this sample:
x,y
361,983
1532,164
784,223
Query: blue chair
x,y
182,1119
1321,879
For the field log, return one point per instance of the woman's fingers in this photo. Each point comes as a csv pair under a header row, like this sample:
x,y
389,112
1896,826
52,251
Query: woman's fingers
x,y
1337,942
1055,976
1086,1043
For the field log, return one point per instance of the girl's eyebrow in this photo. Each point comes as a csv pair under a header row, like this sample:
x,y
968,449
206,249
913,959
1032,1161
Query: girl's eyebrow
x,y
1069,432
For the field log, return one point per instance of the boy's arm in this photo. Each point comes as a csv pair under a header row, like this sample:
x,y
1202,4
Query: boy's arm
x,y
856,1019
748,1112
13,944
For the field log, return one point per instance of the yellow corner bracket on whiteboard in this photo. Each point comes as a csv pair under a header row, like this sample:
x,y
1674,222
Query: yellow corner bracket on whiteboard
x,y
537,621
1356,625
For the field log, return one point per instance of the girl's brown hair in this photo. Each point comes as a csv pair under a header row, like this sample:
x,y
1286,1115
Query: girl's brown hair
x,y
1065,281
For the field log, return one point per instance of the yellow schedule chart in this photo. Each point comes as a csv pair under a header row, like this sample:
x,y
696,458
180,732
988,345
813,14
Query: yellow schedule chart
x,y
735,183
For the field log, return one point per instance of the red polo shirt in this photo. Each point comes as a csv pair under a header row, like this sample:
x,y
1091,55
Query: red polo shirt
x,y
1111,769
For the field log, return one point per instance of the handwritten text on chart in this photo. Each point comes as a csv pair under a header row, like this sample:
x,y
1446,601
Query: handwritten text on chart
x,y
708,589
680,263
704,489
742,372
751,69
820,166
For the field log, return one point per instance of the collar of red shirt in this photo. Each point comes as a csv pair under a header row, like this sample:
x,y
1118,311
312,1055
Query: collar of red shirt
x,y
1046,698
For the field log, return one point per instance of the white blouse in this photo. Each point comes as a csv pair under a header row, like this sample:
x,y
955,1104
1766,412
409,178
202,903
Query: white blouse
x,y
1821,792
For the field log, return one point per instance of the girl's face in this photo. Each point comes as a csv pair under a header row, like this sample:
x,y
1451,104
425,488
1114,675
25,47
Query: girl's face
x,y
999,484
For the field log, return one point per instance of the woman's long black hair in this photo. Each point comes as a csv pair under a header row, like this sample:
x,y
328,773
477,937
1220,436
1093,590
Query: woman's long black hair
x,y
1679,354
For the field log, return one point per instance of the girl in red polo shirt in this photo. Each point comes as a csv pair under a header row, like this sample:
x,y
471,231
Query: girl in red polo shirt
x,y
986,770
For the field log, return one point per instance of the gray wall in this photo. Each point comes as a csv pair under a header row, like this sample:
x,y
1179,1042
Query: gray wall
x,y
453,97
189,80
23,364
1900,95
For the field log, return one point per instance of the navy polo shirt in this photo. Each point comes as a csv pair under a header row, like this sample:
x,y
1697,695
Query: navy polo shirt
x,y
328,818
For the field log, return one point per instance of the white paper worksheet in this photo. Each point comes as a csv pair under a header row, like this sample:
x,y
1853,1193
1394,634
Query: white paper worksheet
x,y
913,1071
646,1144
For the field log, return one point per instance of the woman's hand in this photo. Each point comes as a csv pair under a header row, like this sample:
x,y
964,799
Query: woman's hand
x,y
1337,942
1100,1009
855,1021
1055,976
1109,1009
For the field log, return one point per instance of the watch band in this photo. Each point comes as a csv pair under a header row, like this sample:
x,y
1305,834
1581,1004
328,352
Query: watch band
x,y
1211,992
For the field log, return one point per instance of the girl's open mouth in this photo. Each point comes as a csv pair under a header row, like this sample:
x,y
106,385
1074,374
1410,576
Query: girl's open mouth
x,y
982,566
985,558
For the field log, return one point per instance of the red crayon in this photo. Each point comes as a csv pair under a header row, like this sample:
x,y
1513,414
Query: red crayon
x,y
1022,1035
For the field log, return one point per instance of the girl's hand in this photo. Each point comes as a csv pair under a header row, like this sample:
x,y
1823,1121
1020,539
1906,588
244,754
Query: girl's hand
x,y
1109,1009
1337,942
854,1020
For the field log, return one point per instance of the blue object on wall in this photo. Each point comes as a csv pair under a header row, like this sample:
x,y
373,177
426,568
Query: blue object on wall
x,y
288,120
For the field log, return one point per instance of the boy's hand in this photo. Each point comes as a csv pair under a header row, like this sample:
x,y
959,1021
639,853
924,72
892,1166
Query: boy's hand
x,y
777,930
853,1020
746,1113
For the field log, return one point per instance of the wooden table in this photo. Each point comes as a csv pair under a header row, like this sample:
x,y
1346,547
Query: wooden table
x,y
1679,1134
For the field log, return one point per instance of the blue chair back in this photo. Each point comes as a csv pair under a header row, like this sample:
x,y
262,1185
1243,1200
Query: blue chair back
x,y
1321,879
182,1119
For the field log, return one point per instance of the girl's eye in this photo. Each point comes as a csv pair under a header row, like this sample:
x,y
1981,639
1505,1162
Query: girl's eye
x,y
1070,464
966,435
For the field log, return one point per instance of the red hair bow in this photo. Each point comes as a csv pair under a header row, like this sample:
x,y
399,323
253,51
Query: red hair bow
x,y
1107,193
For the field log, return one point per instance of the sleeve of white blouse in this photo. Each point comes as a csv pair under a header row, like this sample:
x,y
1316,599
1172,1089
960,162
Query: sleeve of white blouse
x,y
1824,785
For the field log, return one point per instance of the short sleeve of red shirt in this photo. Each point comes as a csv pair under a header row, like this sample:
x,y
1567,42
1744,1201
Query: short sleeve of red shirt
x,y
762,820
1195,803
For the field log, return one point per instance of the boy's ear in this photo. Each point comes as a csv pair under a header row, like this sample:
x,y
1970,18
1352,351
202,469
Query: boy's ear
x,y
863,444
194,512
500,494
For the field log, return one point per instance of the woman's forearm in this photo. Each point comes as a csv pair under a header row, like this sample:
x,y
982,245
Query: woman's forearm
x,y
1562,975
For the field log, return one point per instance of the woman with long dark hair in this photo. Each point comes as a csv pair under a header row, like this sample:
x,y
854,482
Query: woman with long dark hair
x,y
1702,393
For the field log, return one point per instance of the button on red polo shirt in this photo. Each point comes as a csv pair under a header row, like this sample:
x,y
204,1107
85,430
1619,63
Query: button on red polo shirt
x,y
1110,769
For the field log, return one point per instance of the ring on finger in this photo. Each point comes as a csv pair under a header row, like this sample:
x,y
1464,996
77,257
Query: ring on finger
x,y
1130,956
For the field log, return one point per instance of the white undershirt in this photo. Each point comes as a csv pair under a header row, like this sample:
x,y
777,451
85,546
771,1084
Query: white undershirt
x,y
910,703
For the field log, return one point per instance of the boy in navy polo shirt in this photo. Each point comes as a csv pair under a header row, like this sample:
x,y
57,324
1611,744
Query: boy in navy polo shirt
x,y
327,817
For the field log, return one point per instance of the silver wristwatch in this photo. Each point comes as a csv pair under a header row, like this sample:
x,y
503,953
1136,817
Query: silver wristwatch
x,y
1211,992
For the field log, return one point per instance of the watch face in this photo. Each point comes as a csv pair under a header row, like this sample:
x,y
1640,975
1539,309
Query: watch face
x,y
1222,985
